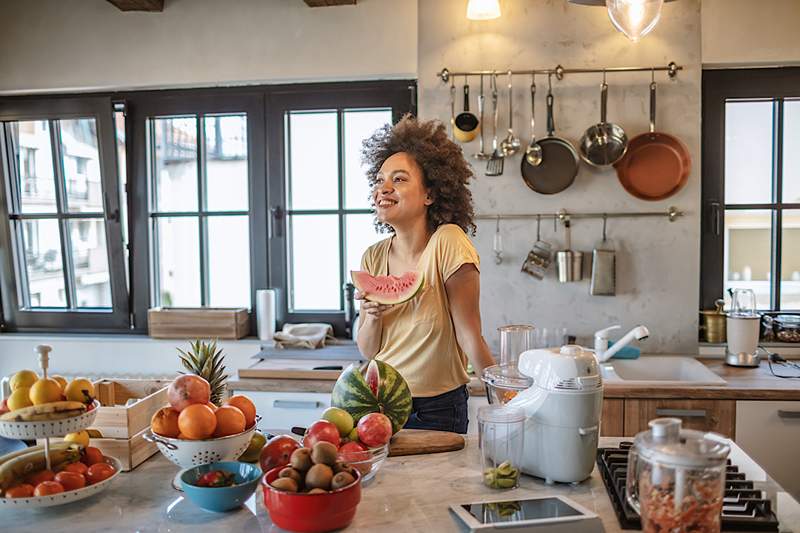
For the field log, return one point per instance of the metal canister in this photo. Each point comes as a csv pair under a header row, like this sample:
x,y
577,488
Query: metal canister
x,y
714,324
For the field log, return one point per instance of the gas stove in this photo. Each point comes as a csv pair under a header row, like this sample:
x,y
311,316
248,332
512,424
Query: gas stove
x,y
744,508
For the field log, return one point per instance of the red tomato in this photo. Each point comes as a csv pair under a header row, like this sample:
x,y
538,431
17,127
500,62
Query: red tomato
x,y
78,468
321,430
71,480
20,491
99,472
277,452
42,475
92,455
45,488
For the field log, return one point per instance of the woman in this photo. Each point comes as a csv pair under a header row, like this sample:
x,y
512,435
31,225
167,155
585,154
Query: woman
x,y
419,190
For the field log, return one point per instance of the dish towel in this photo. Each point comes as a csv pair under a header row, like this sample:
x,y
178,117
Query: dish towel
x,y
310,336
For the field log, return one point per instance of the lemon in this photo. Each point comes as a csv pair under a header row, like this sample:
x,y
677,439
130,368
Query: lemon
x,y
45,390
23,378
61,381
19,398
79,390
81,437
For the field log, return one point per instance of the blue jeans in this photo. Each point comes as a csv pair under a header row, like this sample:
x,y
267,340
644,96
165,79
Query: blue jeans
x,y
445,412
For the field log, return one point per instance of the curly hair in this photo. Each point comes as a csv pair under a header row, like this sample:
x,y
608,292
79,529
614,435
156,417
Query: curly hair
x,y
445,172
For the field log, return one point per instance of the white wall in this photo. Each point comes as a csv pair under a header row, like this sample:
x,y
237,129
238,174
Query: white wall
x,y
86,44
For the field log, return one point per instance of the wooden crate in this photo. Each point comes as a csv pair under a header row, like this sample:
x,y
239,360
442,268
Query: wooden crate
x,y
204,323
115,420
130,452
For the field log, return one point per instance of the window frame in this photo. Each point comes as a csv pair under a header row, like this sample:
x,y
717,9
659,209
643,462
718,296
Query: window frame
x,y
719,86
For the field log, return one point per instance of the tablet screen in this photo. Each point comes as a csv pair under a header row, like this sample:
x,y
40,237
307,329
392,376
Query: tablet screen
x,y
516,510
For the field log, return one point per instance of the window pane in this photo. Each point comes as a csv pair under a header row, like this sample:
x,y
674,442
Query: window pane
x,y
314,267
229,261
313,156
81,161
748,152
35,164
90,261
790,261
748,243
175,180
122,172
791,151
178,261
360,234
42,243
358,125
226,162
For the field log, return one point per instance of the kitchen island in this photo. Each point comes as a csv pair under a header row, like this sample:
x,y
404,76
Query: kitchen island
x,y
410,493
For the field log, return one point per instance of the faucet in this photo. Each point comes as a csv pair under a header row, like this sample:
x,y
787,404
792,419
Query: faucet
x,y
601,349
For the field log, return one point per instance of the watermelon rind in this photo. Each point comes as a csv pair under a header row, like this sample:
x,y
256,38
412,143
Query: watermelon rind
x,y
362,280
352,394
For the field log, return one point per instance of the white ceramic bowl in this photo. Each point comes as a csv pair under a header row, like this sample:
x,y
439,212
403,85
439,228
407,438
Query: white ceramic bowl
x,y
189,453
48,428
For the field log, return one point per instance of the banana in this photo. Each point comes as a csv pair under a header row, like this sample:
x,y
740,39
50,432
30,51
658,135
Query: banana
x,y
18,468
53,447
45,411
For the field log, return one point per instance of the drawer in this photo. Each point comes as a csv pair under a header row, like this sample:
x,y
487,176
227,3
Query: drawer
x,y
769,433
280,411
718,416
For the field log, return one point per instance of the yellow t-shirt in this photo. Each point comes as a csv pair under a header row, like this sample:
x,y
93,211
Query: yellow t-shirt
x,y
418,337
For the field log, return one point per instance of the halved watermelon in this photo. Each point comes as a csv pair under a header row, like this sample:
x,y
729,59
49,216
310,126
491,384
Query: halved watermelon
x,y
388,290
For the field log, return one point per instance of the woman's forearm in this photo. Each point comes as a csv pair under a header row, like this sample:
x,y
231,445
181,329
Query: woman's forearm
x,y
477,352
369,336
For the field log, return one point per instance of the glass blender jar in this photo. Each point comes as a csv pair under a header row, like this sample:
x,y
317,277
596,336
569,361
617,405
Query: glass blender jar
x,y
676,478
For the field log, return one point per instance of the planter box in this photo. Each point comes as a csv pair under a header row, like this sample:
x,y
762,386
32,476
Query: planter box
x,y
203,323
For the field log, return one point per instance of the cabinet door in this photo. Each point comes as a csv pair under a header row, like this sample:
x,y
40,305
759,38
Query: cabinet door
x,y
770,432
718,416
280,411
612,423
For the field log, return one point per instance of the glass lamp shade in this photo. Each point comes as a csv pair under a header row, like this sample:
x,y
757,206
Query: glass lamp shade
x,y
483,9
634,18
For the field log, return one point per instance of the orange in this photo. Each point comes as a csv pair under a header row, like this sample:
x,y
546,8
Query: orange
x,y
246,406
212,406
230,421
45,390
197,421
165,422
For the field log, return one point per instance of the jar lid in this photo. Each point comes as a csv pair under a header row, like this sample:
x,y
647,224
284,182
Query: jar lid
x,y
506,376
668,444
788,320
500,414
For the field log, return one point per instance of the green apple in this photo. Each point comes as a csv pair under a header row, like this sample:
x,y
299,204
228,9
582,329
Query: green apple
x,y
340,418
252,452
353,435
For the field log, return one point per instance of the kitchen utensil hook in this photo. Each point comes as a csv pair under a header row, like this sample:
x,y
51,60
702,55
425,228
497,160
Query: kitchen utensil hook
x,y
538,227
605,220
498,244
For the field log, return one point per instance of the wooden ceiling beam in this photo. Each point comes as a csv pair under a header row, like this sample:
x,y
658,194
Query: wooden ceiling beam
x,y
327,3
139,5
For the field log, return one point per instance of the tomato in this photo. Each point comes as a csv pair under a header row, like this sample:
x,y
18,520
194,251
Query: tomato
x,y
78,468
217,478
98,472
42,475
92,455
277,452
71,480
45,488
20,491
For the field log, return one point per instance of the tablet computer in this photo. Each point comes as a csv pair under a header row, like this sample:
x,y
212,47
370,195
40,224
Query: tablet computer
x,y
554,514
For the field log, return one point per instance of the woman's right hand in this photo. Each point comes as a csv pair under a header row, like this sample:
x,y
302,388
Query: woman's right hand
x,y
372,310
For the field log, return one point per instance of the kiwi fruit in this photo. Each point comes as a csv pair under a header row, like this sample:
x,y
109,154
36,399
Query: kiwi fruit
x,y
301,459
317,491
342,479
319,477
291,473
286,484
324,453
341,467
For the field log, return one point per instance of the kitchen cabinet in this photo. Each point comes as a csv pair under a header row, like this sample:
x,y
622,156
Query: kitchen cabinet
x,y
613,418
769,432
718,416
283,410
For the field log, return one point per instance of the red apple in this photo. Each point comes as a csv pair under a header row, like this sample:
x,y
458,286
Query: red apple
x,y
277,452
375,429
4,407
321,430
353,452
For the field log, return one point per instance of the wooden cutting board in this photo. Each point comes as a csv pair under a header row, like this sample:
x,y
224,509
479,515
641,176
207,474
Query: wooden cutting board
x,y
423,441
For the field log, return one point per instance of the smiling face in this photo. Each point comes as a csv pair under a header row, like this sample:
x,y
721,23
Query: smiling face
x,y
399,193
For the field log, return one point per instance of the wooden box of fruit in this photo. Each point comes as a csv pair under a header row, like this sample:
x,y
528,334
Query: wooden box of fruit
x,y
204,323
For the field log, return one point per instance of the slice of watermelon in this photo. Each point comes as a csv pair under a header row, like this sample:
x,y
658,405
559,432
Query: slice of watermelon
x,y
388,290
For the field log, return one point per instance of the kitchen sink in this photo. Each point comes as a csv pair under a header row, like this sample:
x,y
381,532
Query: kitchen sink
x,y
659,371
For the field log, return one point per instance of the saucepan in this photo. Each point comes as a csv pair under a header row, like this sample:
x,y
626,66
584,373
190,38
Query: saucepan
x,y
604,143
466,124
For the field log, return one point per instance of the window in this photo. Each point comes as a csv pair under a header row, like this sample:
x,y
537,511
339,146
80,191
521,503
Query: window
x,y
751,186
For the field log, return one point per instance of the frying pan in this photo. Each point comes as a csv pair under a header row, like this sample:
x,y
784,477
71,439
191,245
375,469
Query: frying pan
x,y
559,164
466,123
604,143
656,165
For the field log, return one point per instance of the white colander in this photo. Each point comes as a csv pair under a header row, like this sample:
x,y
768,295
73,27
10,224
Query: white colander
x,y
189,453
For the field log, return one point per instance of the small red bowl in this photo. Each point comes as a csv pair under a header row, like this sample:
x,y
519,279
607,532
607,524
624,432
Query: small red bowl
x,y
311,513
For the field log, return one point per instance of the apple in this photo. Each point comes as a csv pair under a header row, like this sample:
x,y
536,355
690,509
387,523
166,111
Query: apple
x,y
351,452
277,452
341,418
375,429
353,435
319,431
4,407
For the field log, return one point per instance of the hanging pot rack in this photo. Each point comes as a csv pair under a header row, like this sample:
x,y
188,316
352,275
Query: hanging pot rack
x,y
559,71
563,215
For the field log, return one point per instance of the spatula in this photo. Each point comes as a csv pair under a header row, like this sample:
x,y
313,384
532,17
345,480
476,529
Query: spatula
x,y
494,166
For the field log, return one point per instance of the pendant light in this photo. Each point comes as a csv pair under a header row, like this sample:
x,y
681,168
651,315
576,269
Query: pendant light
x,y
483,9
634,18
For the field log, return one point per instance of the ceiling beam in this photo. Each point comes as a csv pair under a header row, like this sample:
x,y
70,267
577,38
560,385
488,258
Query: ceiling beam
x,y
139,5
326,3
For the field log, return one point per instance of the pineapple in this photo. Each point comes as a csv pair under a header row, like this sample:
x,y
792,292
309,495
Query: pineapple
x,y
206,361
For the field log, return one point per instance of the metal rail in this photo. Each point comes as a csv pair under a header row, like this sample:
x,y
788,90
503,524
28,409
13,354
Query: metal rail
x,y
671,69
672,213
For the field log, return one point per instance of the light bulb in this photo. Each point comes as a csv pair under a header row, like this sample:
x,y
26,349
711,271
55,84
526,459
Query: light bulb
x,y
634,18
483,9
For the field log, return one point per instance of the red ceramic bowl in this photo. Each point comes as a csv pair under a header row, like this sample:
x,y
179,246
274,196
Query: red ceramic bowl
x,y
311,513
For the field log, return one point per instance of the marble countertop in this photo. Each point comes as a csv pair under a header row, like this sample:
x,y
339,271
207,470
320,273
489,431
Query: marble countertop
x,y
409,493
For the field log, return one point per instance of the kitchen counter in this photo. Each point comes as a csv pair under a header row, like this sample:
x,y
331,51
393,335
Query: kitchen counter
x,y
408,494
